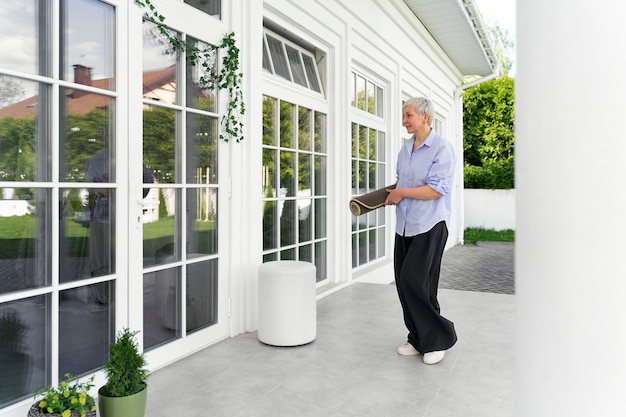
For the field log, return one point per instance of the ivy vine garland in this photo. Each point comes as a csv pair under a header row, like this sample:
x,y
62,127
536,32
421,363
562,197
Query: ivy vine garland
x,y
228,77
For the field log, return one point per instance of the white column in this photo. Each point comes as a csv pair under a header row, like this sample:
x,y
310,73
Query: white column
x,y
571,183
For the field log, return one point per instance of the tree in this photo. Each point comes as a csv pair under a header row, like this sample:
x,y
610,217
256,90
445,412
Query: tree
x,y
503,47
488,134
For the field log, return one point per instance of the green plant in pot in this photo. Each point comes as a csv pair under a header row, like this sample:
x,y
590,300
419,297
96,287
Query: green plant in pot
x,y
126,390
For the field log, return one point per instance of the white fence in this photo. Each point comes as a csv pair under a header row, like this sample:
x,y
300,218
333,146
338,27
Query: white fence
x,y
489,209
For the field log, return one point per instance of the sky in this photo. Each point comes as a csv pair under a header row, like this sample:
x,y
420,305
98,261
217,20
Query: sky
x,y
501,13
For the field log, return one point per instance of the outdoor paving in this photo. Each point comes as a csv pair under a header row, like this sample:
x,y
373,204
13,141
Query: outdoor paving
x,y
483,267
352,369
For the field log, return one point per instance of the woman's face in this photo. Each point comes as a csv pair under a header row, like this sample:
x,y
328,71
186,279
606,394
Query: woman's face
x,y
412,121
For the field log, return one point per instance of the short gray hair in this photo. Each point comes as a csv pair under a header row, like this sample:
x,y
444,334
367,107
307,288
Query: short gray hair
x,y
422,106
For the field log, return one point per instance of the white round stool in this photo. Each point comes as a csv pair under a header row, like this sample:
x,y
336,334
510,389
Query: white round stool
x,y
287,305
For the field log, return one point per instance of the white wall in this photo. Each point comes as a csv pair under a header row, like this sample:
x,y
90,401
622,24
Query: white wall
x,y
489,209
570,176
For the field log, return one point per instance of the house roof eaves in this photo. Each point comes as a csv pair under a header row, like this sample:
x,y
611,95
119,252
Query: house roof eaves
x,y
457,26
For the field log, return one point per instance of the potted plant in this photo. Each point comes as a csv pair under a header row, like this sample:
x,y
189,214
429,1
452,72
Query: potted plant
x,y
125,392
70,399
14,360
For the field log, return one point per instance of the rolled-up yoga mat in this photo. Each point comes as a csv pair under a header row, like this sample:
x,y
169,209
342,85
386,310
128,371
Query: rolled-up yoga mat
x,y
370,201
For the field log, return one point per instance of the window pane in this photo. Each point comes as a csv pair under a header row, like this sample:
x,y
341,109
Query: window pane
x,y
296,66
379,102
371,102
161,307
161,229
88,43
381,147
87,143
87,233
372,244
24,357
201,295
202,137
304,128
360,93
320,218
270,225
159,143
288,223
320,175
320,260
304,175
159,65
287,174
199,96
25,35
355,249
86,327
311,73
267,66
305,253
362,248
201,221
24,132
371,146
304,220
287,125
320,132
25,234
211,7
269,121
278,57
269,173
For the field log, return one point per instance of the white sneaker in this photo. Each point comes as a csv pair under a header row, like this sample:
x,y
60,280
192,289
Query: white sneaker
x,y
432,358
407,349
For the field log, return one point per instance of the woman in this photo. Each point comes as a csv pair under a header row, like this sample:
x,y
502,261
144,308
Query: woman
x,y
425,171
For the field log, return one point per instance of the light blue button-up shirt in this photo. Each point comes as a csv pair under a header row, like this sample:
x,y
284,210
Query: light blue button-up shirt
x,y
432,164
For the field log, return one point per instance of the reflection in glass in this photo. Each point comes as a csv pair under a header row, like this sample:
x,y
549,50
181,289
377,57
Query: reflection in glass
x,y
201,149
87,234
24,357
304,175
159,64
304,220
287,177
287,125
201,295
305,253
201,221
24,132
269,121
161,307
159,143
211,7
87,151
88,40
269,173
320,260
320,218
25,234
86,327
288,223
270,225
304,128
161,226
25,35
320,132
320,175
198,96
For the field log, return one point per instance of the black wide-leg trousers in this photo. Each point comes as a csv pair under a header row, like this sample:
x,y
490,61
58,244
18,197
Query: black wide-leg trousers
x,y
417,263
